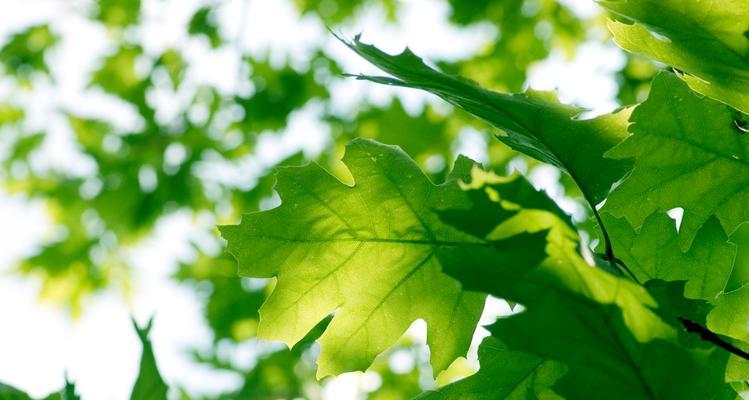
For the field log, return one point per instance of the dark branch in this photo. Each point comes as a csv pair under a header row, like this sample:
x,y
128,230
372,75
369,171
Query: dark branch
x,y
712,337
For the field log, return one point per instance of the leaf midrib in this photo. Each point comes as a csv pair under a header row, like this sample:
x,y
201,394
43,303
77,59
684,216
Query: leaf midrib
x,y
439,243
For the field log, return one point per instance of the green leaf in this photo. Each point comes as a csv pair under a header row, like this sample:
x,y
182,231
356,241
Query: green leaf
x,y
503,63
653,252
602,327
367,251
203,23
25,52
149,385
428,132
687,154
535,123
706,39
672,305
730,316
278,92
119,76
118,13
604,358
8,392
561,269
504,374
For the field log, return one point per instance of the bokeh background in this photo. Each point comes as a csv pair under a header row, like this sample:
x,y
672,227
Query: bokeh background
x,y
131,128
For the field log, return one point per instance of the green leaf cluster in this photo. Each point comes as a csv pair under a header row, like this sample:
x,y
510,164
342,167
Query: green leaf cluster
x,y
359,250
619,329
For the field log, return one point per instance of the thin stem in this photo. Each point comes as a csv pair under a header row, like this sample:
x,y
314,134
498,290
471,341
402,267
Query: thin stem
x,y
616,264
626,268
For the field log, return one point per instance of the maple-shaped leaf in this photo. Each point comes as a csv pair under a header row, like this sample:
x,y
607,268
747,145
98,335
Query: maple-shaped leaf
x,y
708,40
504,374
603,328
534,123
687,154
367,253
653,252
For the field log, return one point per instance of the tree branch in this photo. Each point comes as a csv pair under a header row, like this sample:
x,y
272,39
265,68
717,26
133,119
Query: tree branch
x,y
712,337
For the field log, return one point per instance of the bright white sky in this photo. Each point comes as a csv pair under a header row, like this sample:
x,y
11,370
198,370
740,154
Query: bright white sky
x,y
100,352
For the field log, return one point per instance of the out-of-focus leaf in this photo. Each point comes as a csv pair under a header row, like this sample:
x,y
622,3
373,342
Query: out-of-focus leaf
x,y
172,61
528,31
149,385
8,392
118,13
119,76
634,79
428,133
25,52
278,92
203,23
66,393
337,11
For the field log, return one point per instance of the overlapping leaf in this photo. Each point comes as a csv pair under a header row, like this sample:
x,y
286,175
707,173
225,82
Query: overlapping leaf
x,y
603,328
653,252
708,40
535,122
604,358
504,374
367,251
688,153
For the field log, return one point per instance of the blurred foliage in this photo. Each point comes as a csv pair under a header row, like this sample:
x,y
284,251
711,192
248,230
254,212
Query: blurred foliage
x,y
68,392
634,79
24,53
337,11
126,177
203,23
117,13
528,31
149,385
